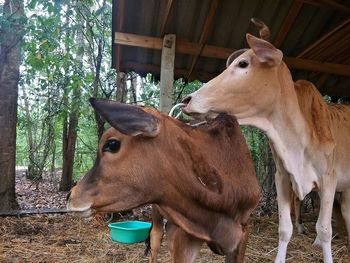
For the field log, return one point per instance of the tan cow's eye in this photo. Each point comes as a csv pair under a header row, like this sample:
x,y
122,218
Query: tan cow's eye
x,y
243,64
111,145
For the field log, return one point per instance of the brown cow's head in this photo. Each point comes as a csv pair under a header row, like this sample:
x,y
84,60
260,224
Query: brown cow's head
x,y
118,170
201,177
146,153
247,87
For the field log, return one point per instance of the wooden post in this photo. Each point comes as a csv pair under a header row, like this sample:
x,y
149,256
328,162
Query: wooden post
x,y
167,73
121,87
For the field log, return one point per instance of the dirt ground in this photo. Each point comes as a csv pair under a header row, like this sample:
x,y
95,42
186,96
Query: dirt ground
x,y
67,238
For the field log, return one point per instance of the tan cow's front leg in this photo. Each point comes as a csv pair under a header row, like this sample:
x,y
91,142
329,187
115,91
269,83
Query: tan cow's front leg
x,y
183,247
345,209
324,225
285,228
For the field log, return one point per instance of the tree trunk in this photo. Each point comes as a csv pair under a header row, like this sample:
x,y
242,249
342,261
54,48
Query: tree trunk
x,y
70,138
47,141
53,164
70,134
33,172
64,180
9,78
133,93
99,121
70,131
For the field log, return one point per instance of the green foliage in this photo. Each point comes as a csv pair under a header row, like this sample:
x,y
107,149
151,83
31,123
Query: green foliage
x,y
58,76
87,141
149,93
258,144
53,67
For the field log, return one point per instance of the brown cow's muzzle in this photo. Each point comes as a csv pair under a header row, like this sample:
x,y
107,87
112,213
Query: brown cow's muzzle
x,y
77,204
68,195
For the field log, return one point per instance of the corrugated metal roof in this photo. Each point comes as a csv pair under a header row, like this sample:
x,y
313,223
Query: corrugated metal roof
x,y
313,20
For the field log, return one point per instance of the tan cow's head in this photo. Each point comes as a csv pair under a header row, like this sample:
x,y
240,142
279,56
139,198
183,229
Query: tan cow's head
x,y
247,86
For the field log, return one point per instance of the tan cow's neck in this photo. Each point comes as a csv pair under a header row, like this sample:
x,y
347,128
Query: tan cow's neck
x,y
289,135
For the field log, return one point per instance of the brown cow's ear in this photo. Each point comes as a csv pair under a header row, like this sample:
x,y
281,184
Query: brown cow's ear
x,y
128,119
264,50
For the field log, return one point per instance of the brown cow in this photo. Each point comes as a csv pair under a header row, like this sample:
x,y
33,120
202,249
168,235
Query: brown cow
x,y
309,139
202,178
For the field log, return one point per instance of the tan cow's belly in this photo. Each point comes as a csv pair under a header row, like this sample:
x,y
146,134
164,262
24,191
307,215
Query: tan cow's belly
x,y
342,170
342,155
343,184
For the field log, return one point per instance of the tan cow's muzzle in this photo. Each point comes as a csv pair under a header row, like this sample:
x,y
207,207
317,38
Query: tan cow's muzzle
x,y
188,107
198,107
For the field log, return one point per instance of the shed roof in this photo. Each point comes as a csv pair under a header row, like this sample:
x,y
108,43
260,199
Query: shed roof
x,y
314,36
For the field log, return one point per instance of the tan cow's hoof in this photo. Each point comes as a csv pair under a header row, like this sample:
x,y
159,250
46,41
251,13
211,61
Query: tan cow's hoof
x,y
317,244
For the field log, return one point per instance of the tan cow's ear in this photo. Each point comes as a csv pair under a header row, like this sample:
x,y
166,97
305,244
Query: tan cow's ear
x,y
264,50
128,119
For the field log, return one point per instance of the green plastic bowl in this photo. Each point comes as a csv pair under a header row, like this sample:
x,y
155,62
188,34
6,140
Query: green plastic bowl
x,y
129,232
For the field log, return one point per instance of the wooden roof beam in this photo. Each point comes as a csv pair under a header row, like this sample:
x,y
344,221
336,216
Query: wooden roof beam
x,y
324,37
223,53
313,65
325,76
322,80
207,28
168,9
288,22
149,68
328,4
138,40
182,46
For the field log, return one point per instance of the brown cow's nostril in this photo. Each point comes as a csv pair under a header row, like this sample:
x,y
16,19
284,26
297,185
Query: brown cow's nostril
x,y
187,99
68,195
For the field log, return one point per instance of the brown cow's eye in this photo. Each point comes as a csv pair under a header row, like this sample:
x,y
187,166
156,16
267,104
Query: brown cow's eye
x,y
111,145
243,64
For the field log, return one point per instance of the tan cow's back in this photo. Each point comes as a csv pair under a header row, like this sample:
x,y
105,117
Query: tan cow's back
x,y
340,117
329,123
315,111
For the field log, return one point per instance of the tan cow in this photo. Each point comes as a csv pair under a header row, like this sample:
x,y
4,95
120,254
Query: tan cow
x,y
309,138
202,178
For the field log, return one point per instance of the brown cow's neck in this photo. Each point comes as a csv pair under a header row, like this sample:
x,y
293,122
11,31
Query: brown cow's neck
x,y
221,230
209,192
